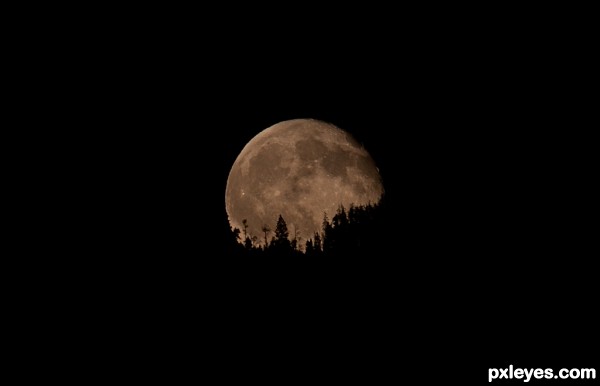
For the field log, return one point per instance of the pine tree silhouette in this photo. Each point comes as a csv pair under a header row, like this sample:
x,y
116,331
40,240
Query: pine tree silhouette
x,y
265,229
317,244
281,242
248,243
309,248
281,231
358,231
328,240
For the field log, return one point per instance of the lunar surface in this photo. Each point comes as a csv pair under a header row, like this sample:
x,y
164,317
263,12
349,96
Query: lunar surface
x,y
300,169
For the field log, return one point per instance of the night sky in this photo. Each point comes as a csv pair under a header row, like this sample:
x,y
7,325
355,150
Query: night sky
x,y
478,159
486,181
486,145
488,178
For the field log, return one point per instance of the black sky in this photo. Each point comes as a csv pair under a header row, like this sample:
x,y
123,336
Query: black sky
x,y
486,177
476,148
486,166
485,139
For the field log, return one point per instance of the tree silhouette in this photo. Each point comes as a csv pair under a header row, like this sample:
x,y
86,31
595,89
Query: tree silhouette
x,y
317,244
247,240
295,241
232,245
245,224
327,234
309,250
281,231
266,230
248,243
340,219
358,231
281,242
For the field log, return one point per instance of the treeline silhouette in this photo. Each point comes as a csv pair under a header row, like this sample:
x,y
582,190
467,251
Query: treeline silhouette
x,y
351,231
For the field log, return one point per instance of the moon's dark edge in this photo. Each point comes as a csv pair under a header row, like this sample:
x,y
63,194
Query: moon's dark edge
x,y
300,169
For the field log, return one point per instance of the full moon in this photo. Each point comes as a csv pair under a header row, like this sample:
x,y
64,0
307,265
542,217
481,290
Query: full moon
x,y
299,169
